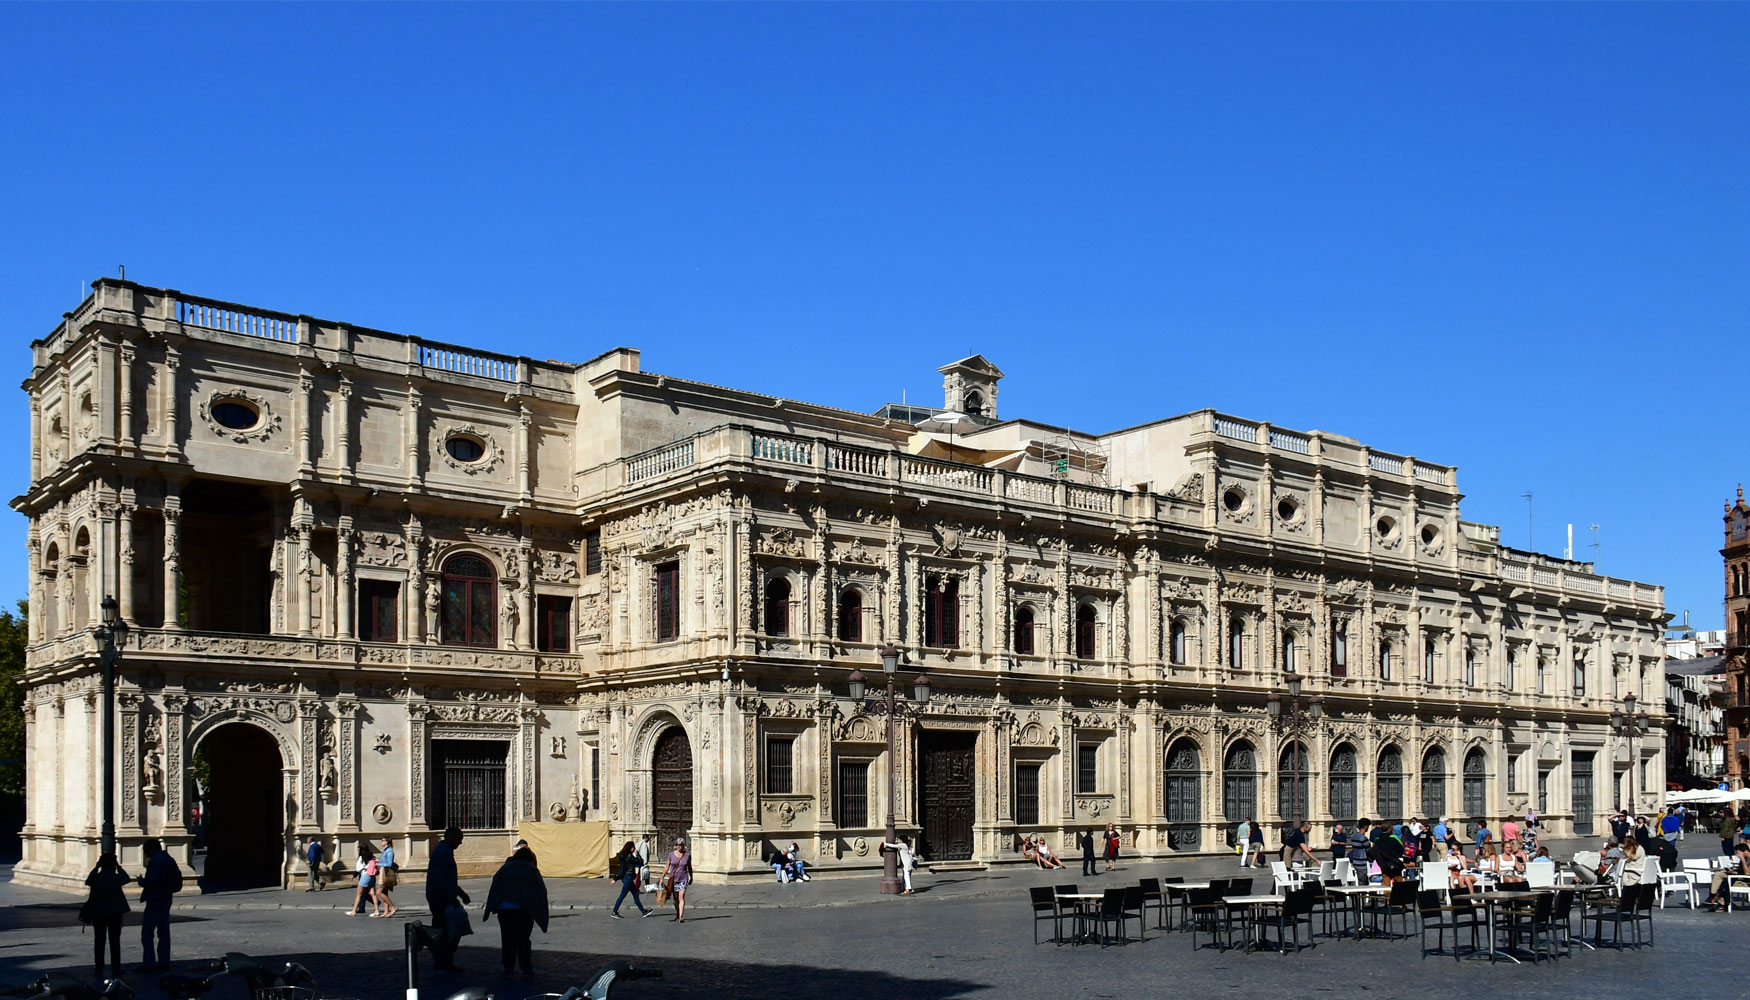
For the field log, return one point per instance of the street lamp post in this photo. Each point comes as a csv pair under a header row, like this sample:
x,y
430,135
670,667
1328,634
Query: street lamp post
x,y
891,884
110,636
1631,725
1296,723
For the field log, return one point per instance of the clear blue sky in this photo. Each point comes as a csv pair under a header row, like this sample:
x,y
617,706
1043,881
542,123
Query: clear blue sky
x,y
1508,238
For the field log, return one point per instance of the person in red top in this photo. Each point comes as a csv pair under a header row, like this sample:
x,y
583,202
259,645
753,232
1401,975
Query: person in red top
x,y
1509,834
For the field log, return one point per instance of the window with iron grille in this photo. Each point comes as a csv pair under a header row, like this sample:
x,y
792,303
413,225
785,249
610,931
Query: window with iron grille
x,y
378,603
668,601
1087,768
1176,642
853,793
468,784
1389,785
1236,644
778,775
470,602
592,553
1027,794
552,623
1340,660
1343,804
595,775
1579,676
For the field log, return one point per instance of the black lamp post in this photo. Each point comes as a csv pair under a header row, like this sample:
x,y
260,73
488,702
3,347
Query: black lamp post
x,y
110,636
1631,725
891,884
1296,723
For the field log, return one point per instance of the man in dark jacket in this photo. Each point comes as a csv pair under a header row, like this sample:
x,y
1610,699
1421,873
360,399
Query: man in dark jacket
x,y
519,899
441,892
1090,863
313,858
161,880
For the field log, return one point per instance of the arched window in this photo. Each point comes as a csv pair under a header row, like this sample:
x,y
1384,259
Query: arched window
x,y
1340,650
1542,666
1579,676
1343,804
1176,651
81,561
1389,785
850,615
1024,630
942,612
1385,659
1289,805
1434,782
1512,669
777,606
1470,667
1430,654
470,607
1086,625
973,404
1291,651
1476,787
1236,644
1239,782
51,614
1184,793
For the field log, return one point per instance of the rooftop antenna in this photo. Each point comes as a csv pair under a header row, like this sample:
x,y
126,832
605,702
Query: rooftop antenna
x,y
123,268
1597,546
1529,545
1568,554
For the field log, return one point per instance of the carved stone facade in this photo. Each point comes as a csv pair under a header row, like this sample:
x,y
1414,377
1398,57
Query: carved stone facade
x,y
603,594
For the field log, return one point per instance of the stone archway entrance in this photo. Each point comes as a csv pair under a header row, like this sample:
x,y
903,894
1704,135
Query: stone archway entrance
x,y
242,809
671,773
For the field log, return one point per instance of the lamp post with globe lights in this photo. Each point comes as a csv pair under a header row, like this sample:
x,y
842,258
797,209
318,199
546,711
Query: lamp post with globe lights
x,y
891,884
110,635
1295,722
1631,725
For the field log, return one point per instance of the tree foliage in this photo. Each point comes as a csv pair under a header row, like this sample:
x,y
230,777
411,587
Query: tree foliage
x,y
13,637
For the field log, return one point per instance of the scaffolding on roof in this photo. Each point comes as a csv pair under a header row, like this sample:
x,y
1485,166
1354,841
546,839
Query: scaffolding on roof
x,y
1069,459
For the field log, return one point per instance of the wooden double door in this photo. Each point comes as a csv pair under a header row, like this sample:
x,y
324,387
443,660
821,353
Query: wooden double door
x,y
671,774
947,793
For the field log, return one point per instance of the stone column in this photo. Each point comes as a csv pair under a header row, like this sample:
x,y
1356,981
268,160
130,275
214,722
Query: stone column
x,y
343,555
343,429
528,772
124,570
413,601
305,415
171,393
128,738
525,629
175,723
346,735
125,390
524,448
413,436
36,439
305,562
416,764
172,563
309,764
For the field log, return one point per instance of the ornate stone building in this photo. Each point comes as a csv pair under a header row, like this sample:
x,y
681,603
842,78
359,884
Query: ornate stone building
x,y
379,584
1734,695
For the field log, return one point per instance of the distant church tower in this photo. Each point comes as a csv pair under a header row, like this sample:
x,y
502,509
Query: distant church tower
x,y
969,386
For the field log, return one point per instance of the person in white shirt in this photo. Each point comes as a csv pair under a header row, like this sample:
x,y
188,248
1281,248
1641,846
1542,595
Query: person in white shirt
x,y
906,860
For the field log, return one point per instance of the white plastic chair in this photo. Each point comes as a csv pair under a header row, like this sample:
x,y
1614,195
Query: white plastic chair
x,y
1284,878
1436,877
1676,883
1540,875
1345,872
1326,870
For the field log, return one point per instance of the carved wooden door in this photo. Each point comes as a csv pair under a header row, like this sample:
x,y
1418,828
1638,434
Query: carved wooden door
x,y
672,781
947,791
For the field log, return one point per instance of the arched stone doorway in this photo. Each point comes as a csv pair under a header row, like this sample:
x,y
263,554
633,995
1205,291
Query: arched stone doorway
x,y
671,777
242,808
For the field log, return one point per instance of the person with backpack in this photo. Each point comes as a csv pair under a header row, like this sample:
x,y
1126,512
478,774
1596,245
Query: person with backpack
x,y
519,899
628,863
161,880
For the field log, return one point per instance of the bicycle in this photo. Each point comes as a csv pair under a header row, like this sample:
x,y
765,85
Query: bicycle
x,y
288,981
60,986
601,985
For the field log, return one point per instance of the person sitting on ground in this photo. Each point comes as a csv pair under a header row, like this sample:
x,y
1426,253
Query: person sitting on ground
x,y
797,867
1030,852
781,867
1046,858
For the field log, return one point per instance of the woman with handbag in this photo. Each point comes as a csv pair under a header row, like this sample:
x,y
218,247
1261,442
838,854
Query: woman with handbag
x,y
1112,843
677,876
628,864
386,879
103,910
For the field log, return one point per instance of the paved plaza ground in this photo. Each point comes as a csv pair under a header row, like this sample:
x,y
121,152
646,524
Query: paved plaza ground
x,y
961,935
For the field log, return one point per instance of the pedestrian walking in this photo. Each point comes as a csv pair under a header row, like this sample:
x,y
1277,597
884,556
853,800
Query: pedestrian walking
x,y
313,858
387,875
1242,842
519,897
161,880
644,848
441,894
1729,827
103,910
677,876
1256,847
364,878
1113,841
1090,863
907,859
628,863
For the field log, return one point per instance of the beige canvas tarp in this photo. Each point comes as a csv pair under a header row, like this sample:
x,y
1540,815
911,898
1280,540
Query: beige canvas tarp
x,y
568,850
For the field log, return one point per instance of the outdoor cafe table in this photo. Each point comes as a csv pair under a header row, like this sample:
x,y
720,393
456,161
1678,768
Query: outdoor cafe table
x,y
1251,904
1179,891
1355,894
1492,899
1589,894
1083,902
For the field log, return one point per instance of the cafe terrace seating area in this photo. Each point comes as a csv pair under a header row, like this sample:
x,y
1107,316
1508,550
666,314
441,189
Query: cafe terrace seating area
x,y
1556,911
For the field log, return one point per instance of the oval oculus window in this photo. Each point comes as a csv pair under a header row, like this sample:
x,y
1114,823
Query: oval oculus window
x,y
465,448
236,414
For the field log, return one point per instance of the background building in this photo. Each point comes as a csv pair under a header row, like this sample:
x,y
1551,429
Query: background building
x,y
1736,696
1695,684
381,584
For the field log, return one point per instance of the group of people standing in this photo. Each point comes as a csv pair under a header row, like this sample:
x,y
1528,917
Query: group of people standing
x,y
107,904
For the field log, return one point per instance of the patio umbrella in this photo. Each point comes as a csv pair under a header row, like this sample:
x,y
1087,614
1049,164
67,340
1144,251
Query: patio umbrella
x,y
947,422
